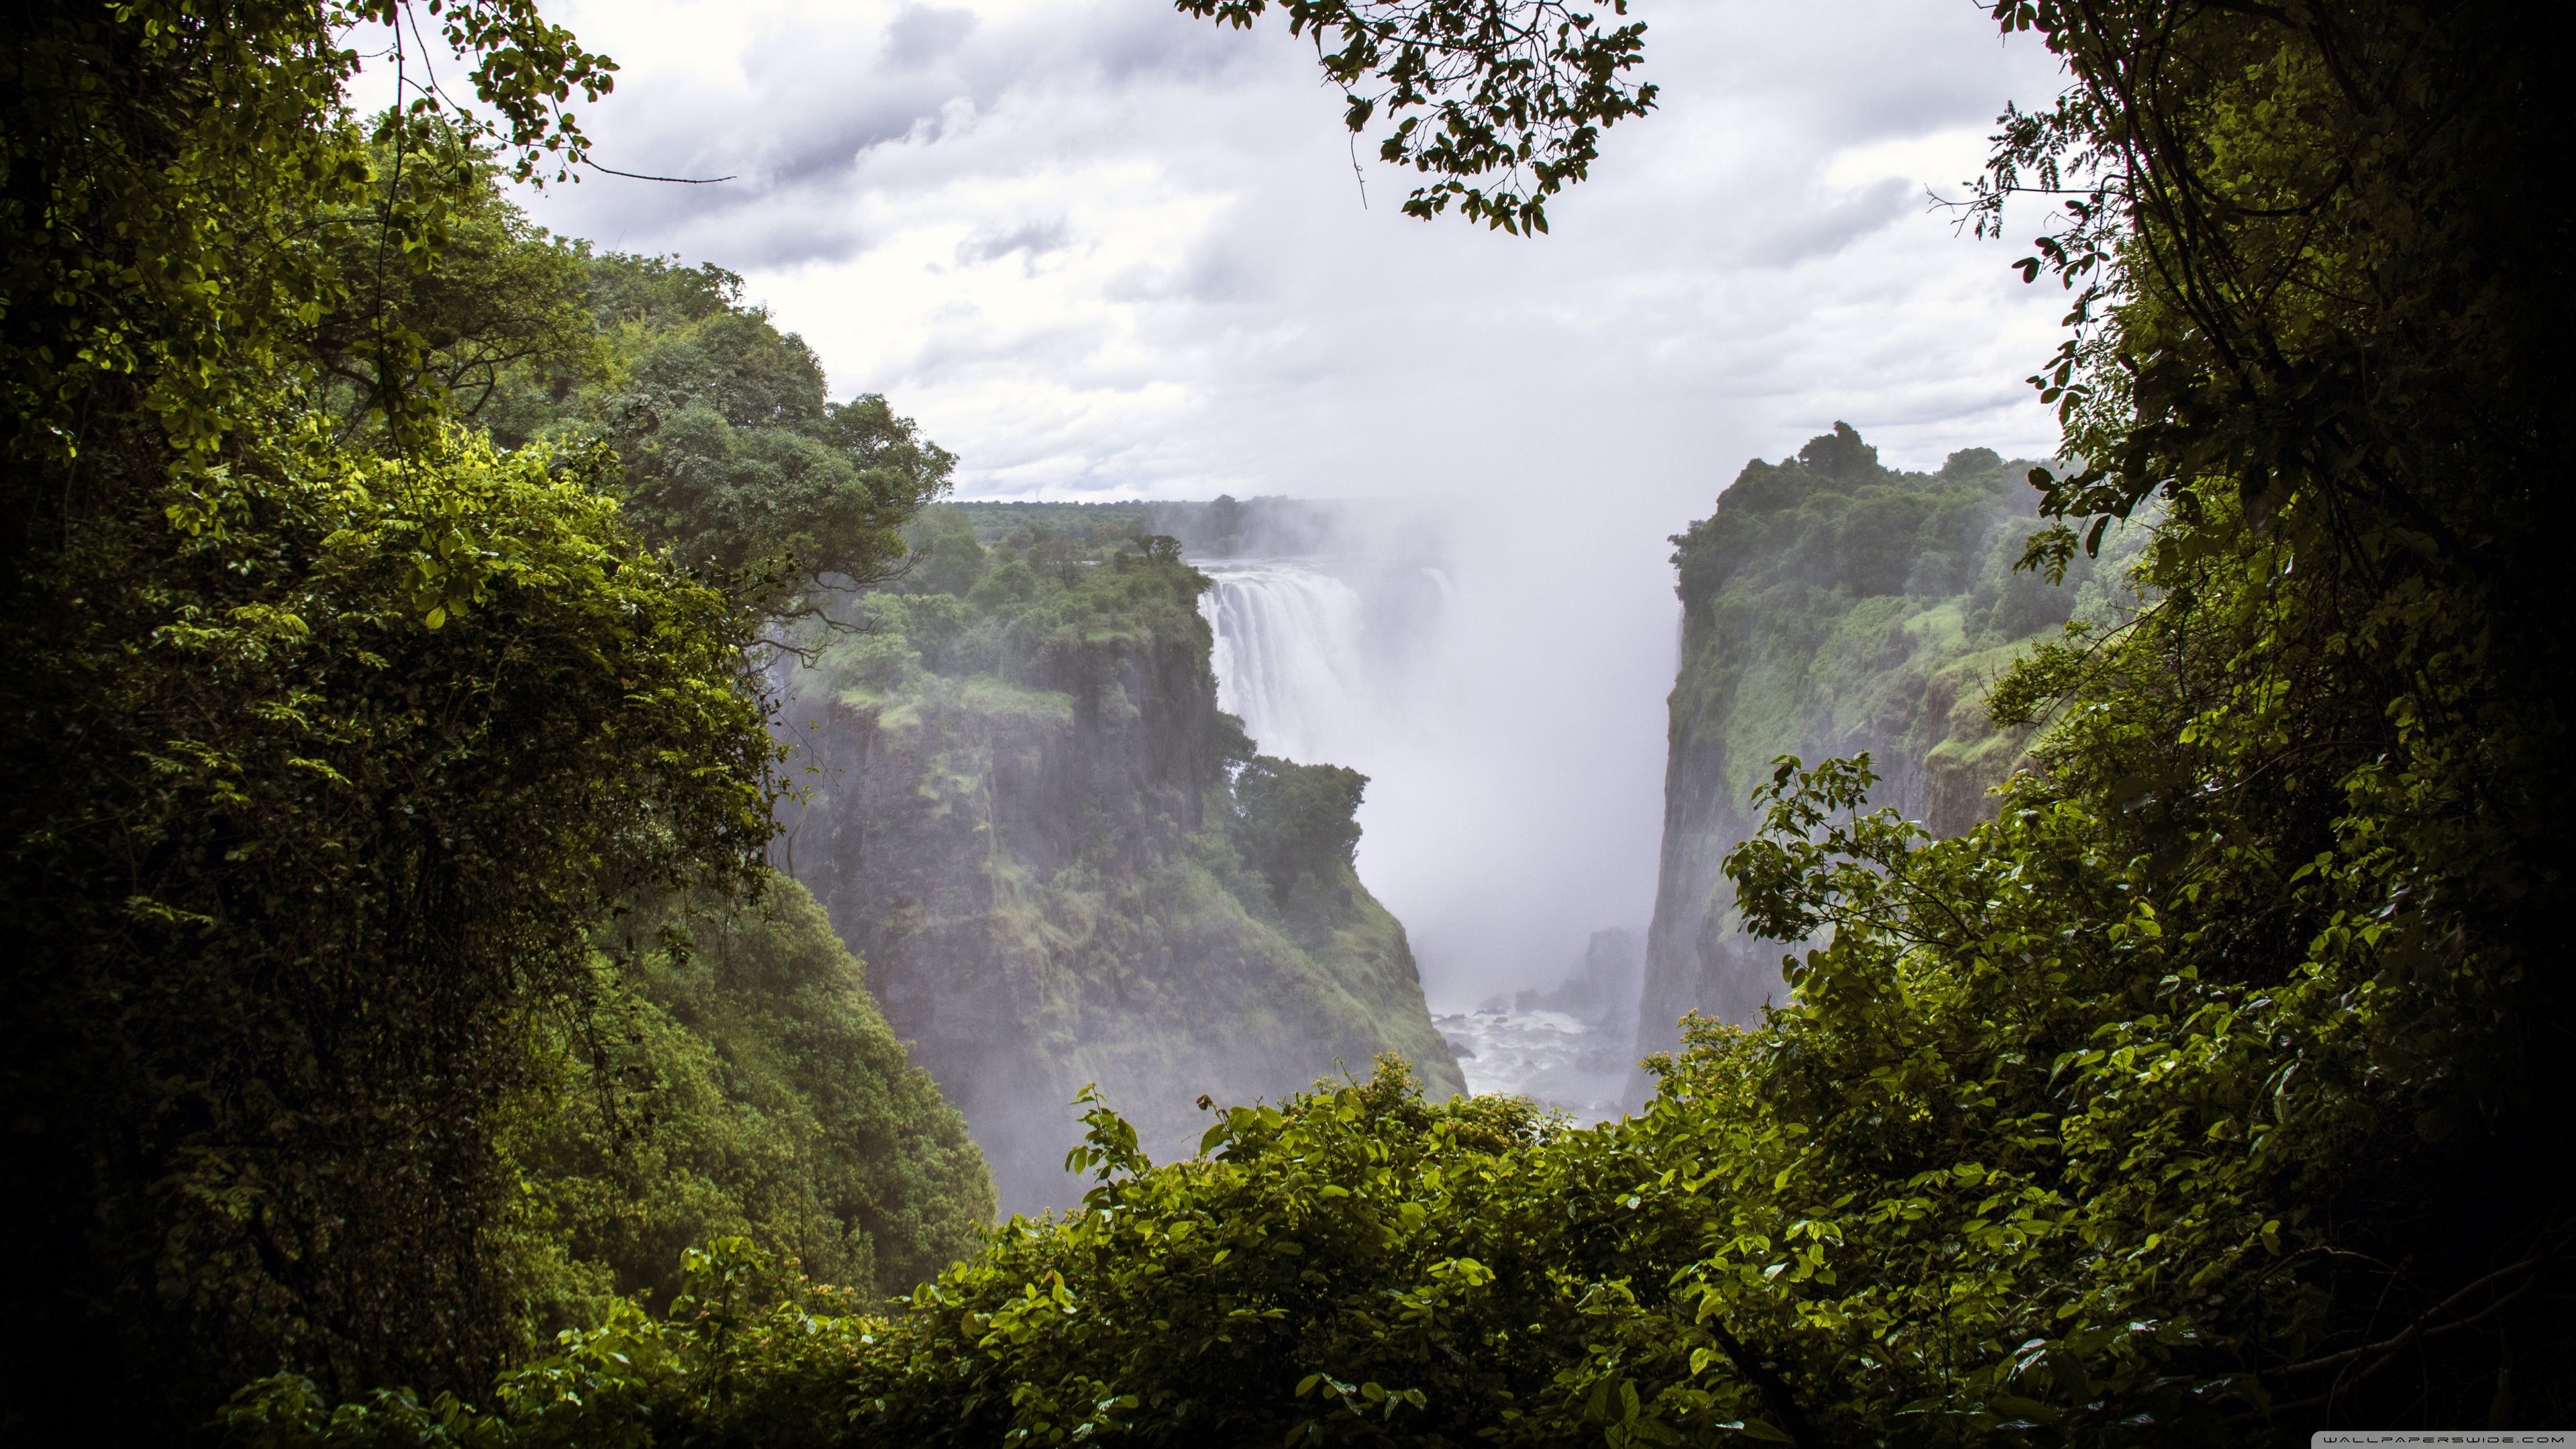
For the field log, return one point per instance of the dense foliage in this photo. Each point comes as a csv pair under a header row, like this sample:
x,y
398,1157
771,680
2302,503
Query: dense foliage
x,y
360,757
731,1078
163,159
1834,607
1296,822
445,294
731,458
334,732
277,896
735,459
2205,1093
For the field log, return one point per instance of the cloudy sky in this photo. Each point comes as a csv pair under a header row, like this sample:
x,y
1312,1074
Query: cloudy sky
x,y
1102,250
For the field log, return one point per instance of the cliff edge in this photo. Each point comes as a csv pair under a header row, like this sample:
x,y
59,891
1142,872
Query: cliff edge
x,y
1832,606
1064,866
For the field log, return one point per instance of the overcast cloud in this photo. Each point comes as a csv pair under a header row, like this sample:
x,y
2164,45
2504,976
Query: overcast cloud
x,y
1101,250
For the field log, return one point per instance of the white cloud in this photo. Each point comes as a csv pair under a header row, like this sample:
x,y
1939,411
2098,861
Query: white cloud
x,y
1758,249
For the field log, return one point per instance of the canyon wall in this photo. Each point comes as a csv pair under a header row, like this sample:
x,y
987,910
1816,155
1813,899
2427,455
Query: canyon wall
x,y
1020,810
1831,607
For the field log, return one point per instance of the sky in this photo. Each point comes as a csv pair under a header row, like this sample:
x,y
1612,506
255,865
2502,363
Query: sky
x,y
1101,250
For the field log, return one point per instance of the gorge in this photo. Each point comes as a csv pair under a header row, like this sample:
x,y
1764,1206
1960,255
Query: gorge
x,y
559,889
1831,606
1028,807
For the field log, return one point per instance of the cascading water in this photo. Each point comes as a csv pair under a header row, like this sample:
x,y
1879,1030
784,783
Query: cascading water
x,y
1288,656
1297,660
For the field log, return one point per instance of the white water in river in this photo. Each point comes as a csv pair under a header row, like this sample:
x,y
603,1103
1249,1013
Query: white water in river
x,y
1288,657
1556,1059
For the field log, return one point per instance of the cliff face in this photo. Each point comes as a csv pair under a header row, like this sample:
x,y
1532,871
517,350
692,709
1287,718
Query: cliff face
x,y
1832,606
1020,815
780,1107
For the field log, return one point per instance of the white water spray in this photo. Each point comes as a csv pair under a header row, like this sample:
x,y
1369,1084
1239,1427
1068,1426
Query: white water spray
x,y
1288,656
1511,731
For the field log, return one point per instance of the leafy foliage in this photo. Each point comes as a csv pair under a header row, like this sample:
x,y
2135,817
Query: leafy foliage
x,y
1298,823
332,731
443,292
1027,605
731,1077
341,771
1180,1305
735,460
158,156
1517,91
731,457
2309,273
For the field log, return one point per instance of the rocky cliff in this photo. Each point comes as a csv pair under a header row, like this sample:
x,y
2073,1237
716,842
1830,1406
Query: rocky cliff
x,y
1021,812
1832,606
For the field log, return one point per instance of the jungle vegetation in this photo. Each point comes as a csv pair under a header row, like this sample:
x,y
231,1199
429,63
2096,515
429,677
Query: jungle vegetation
x,y
2209,1092
395,972
1835,607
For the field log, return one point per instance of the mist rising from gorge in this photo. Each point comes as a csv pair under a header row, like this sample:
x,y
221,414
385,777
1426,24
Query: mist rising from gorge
x,y
1498,670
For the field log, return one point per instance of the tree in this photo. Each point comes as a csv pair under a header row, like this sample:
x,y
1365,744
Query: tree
x,y
1517,92
734,458
1297,821
318,763
730,455
158,154
445,292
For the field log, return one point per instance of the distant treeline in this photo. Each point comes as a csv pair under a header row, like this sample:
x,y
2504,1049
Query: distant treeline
x,y
1222,527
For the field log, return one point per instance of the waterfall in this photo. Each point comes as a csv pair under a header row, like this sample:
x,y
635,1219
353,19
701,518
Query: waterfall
x,y
1287,655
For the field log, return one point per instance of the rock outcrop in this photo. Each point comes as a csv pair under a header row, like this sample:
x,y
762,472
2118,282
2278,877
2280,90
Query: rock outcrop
x,y
1019,812
1833,607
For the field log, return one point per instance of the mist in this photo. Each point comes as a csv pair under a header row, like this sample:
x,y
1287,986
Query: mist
x,y
1520,811
1498,680
1512,730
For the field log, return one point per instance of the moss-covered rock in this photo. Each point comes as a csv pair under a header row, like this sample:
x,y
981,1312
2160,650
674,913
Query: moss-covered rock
x,y
1022,811
1832,606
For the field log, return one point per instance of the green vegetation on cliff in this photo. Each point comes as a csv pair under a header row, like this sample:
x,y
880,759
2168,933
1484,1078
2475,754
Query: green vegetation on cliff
x,y
732,1077
1063,865
1834,607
